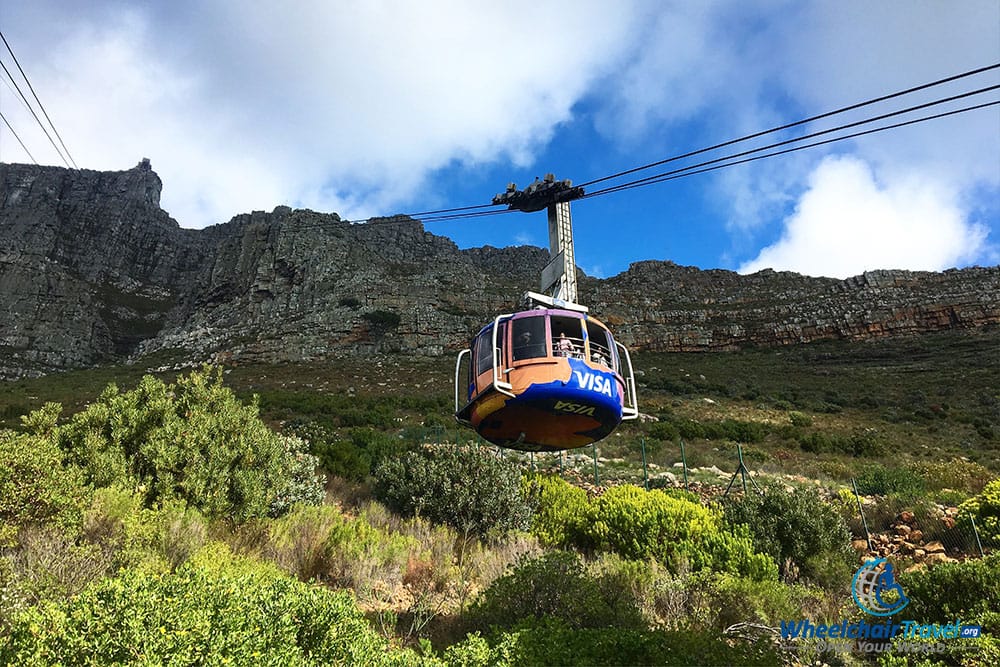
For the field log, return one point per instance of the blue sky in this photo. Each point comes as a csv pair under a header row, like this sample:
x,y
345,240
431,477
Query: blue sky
x,y
381,107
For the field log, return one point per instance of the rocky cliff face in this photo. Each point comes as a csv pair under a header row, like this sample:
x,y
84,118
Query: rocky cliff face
x,y
93,271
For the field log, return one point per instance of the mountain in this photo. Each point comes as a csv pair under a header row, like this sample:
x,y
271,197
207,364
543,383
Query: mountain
x,y
93,271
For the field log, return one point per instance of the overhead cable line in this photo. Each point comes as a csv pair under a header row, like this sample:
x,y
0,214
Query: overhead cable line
x,y
465,213
37,119
821,116
40,106
7,123
449,210
814,135
694,169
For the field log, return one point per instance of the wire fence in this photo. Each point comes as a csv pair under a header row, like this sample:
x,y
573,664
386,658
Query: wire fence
x,y
916,527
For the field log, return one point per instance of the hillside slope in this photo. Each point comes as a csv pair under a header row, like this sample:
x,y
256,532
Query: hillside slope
x,y
92,271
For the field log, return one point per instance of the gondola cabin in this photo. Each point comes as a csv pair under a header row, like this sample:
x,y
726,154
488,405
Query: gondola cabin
x,y
544,379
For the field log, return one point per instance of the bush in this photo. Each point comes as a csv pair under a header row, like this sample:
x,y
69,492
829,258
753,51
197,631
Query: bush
x,y
799,530
356,457
47,565
968,590
985,508
957,475
192,441
154,539
463,487
799,418
214,610
879,480
322,543
865,442
553,585
349,302
560,511
639,525
301,484
35,487
554,642
716,602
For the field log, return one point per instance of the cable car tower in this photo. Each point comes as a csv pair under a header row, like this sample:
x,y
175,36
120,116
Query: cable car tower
x,y
559,275
548,377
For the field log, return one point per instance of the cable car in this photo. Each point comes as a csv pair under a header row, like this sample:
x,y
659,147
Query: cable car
x,y
547,378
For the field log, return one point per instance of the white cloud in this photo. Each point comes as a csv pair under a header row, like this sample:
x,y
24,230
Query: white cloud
x,y
719,70
847,222
344,106
352,106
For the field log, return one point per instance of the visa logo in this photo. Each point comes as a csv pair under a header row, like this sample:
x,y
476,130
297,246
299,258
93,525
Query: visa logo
x,y
594,382
575,408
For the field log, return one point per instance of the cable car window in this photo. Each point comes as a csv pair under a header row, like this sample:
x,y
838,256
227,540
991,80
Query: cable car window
x,y
528,338
502,343
600,345
567,337
615,359
484,352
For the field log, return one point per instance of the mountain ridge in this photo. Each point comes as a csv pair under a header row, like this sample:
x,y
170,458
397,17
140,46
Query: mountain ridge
x,y
93,271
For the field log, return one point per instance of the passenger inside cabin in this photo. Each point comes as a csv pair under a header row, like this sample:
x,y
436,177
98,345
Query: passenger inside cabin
x,y
526,347
564,347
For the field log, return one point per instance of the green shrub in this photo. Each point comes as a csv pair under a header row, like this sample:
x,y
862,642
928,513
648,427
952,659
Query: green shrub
x,y
154,539
717,601
882,481
664,431
799,418
553,585
554,642
356,457
957,475
985,508
35,487
349,302
865,442
639,525
464,487
968,590
301,485
382,321
192,441
799,530
47,565
213,610
561,511
322,543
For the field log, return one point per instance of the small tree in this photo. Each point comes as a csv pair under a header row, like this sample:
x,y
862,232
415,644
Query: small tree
x,y
35,487
798,529
192,441
463,487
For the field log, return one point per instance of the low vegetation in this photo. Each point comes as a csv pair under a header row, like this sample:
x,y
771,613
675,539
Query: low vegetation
x,y
186,519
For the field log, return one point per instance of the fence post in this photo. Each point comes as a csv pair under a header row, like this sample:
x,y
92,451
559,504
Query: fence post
x,y
743,472
976,532
645,475
685,462
864,521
